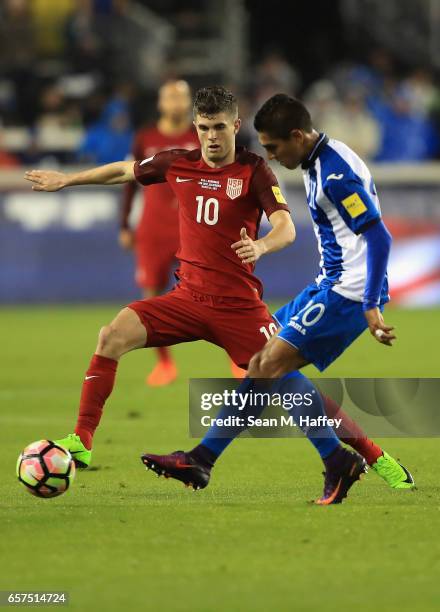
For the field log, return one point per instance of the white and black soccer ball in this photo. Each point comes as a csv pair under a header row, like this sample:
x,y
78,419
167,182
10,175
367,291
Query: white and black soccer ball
x,y
45,469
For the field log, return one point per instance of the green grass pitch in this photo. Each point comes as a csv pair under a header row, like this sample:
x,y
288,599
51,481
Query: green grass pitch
x,y
122,539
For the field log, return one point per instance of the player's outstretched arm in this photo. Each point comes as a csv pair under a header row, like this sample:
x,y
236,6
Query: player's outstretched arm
x,y
281,235
110,174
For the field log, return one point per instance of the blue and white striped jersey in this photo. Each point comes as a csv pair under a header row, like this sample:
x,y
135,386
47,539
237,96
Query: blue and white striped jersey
x,y
343,203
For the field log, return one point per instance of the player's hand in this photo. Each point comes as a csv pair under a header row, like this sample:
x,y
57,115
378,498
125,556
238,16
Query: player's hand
x,y
126,239
247,249
46,180
378,329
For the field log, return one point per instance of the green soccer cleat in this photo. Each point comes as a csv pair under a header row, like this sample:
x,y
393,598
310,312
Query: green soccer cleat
x,y
394,474
80,454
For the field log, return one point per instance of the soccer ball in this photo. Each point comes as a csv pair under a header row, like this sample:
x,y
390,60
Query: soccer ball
x,y
45,469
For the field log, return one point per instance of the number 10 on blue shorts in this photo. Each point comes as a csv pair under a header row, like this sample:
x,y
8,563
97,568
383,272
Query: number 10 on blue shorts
x,y
321,324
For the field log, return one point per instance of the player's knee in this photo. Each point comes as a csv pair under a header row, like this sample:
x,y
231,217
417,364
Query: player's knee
x,y
263,365
254,366
110,340
268,366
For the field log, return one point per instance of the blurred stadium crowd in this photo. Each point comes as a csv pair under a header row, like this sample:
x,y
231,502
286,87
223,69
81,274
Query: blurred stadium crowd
x,y
69,94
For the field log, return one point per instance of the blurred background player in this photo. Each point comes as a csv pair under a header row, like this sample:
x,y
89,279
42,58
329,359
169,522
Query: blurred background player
x,y
156,238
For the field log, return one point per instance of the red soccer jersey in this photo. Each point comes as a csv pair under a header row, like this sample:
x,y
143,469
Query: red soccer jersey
x,y
159,213
214,204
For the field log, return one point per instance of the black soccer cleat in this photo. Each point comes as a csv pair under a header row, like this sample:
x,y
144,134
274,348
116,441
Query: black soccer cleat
x,y
344,470
180,466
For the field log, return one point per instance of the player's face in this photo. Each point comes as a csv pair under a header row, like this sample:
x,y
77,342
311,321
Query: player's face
x,y
175,100
287,152
217,135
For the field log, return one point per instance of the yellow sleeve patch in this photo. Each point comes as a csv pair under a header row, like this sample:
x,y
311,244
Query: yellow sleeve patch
x,y
354,205
278,195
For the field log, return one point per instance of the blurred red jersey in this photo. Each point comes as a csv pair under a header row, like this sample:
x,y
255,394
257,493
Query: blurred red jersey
x,y
214,204
159,213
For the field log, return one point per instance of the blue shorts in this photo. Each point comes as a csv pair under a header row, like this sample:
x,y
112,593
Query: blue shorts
x,y
321,324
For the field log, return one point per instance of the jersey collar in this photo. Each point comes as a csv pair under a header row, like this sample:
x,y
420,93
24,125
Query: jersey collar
x,y
240,152
322,141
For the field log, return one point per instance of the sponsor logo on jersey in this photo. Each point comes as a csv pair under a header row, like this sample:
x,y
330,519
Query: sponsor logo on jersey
x,y
336,177
278,195
354,205
299,328
234,188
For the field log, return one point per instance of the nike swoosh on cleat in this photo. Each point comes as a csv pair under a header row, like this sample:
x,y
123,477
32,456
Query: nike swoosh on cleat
x,y
89,377
328,500
180,465
409,477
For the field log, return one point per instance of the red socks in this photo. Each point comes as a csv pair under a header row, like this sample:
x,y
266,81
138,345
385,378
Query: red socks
x,y
164,354
350,433
97,386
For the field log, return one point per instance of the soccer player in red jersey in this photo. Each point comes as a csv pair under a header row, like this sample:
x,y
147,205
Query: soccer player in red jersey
x,y
156,238
222,193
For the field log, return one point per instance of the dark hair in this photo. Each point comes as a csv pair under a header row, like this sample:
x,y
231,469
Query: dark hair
x,y
213,100
280,115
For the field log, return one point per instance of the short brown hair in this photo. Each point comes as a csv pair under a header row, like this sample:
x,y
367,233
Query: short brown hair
x,y
210,101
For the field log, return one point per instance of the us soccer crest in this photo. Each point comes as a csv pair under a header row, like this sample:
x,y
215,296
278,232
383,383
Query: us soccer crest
x,y
234,188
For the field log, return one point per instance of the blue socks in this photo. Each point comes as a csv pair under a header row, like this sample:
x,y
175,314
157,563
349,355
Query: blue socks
x,y
321,435
308,415
212,439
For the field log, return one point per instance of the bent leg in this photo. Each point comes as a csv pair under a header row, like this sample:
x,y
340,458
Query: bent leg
x,y
125,333
277,359
164,320
281,361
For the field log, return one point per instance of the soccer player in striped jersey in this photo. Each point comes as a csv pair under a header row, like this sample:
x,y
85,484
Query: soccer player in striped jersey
x,y
350,292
